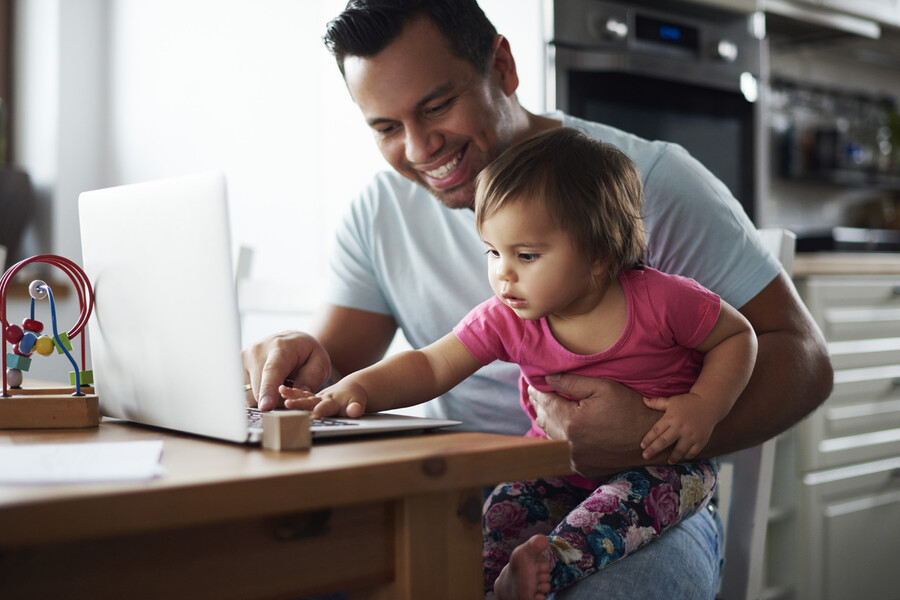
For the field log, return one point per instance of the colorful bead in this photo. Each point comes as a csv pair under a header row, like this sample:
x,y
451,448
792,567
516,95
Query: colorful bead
x,y
36,291
26,344
32,325
44,345
14,378
16,361
14,334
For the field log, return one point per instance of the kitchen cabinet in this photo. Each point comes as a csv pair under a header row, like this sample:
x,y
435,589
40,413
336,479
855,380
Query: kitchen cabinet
x,y
884,11
741,6
835,508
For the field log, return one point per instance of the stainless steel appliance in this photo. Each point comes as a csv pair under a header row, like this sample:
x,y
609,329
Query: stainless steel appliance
x,y
664,70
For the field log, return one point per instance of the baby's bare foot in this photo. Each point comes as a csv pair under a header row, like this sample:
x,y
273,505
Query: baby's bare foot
x,y
527,576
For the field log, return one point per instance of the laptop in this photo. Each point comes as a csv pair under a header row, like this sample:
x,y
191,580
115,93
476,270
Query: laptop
x,y
165,331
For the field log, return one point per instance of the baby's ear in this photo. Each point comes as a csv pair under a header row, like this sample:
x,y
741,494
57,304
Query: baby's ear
x,y
601,267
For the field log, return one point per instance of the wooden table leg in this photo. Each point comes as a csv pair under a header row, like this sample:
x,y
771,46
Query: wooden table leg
x,y
437,549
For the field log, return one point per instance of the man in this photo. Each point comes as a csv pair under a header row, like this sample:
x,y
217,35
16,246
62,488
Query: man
x,y
436,85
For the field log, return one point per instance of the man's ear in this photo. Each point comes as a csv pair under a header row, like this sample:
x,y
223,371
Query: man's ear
x,y
504,66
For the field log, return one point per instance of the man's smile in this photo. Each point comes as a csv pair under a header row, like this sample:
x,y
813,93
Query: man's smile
x,y
442,175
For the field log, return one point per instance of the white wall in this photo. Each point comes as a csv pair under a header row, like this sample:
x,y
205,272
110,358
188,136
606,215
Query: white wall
x,y
119,91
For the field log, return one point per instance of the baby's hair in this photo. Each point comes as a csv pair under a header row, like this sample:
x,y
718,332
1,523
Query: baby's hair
x,y
591,189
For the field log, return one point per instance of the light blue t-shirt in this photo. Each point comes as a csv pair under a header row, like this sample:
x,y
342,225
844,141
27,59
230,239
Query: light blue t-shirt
x,y
399,251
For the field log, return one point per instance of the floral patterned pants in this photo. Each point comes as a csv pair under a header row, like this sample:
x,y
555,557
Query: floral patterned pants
x,y
591,529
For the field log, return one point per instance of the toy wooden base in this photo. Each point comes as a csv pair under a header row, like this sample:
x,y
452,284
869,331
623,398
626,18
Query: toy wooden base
x,y
49,408
286,430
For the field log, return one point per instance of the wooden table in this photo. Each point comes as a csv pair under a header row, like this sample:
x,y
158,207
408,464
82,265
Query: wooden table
x,y
389,518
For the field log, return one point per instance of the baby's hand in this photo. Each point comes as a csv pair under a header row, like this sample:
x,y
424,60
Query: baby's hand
x,y
297,399
684,425
345,398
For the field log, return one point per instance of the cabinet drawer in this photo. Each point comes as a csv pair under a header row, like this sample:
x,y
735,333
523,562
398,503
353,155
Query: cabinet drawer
x,y
862,290
850,542
859,422
851,308
860,323
853,354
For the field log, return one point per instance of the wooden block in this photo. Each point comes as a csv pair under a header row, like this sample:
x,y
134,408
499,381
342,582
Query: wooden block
x,y
48,410
17,361
87,377
286,430
64,338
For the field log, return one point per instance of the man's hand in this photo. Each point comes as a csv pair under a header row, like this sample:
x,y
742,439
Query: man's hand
x,y
293,356
605,426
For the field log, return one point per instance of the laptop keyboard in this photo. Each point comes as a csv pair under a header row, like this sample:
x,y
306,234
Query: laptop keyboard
x,y
254,418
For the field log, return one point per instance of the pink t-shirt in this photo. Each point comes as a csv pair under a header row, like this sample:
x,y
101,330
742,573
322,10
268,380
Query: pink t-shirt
x,y
668,315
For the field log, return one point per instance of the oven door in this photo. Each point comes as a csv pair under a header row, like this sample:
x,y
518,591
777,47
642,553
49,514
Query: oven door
x,y
681,76
716,126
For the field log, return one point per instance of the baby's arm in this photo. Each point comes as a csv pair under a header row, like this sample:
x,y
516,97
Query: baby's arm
x,y
730,353
404,379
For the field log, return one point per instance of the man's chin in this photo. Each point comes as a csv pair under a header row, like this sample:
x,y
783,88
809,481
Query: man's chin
x,y
462,196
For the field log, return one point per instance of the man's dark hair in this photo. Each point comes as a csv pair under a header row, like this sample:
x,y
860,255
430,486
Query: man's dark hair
x,y
366,27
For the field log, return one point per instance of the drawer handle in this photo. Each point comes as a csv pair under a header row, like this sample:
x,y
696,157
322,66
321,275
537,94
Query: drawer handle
x,y
895,291
895,382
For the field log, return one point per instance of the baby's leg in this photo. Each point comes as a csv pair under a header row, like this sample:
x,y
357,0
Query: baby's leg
x,y
517,511
625,513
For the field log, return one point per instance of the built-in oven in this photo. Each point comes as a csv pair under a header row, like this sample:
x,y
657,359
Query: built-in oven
x,y
668,71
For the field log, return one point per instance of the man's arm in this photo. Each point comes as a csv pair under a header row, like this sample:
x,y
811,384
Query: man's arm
x,y
354,339
793,375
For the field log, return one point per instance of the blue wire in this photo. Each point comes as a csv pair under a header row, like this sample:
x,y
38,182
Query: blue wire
x,y
62,347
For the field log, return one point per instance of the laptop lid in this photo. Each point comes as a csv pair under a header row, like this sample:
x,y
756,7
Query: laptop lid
x,y
165,332
165,335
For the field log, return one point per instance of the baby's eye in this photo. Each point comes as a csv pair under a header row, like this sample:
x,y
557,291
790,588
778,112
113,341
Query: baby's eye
x,y
492,253
528,256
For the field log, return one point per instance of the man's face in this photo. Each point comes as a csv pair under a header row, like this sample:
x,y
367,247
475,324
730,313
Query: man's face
x,y
435,118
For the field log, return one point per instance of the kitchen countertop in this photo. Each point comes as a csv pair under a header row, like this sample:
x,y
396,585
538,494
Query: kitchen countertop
x,y
846,263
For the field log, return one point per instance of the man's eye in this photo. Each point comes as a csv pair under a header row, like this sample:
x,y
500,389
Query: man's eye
x,y
438,109
385,129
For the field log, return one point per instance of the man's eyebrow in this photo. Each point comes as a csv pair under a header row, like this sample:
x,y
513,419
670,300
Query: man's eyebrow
x,y
436,92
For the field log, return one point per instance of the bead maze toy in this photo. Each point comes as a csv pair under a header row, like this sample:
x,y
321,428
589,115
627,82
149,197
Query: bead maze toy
x,y
37,408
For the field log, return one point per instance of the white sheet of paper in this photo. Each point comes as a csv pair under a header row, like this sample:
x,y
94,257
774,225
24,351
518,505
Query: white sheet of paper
x,y
79,463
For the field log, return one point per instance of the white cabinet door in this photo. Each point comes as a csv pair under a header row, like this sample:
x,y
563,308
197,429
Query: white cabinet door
x,y
850,538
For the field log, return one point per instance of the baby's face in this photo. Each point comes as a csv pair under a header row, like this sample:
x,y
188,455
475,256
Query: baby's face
x,y
533,265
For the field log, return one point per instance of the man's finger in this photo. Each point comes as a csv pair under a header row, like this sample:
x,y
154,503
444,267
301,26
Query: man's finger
x,y
272,375
552,412
573,386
